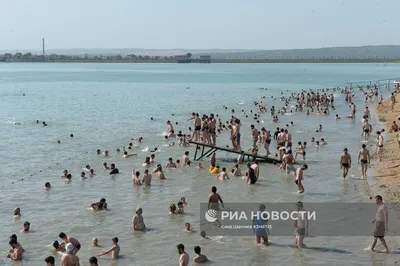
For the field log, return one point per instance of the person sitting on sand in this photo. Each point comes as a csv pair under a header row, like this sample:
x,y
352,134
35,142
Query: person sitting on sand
x,y
394,127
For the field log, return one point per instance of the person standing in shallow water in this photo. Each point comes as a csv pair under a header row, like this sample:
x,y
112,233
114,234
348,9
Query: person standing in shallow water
x,y
345,162
137,221
251,175
365,159
381,224
183,256
299,177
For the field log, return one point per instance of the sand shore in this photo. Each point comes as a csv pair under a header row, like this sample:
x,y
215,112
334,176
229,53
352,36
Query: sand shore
x,y
388,171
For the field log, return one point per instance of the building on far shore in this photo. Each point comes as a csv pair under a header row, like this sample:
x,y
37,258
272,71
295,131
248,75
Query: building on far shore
x,y
182,58
187,58
205,58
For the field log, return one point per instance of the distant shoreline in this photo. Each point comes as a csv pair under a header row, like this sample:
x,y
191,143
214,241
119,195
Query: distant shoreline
x,y
219,61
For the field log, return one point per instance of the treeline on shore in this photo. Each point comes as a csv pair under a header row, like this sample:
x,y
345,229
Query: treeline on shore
x,y
131,58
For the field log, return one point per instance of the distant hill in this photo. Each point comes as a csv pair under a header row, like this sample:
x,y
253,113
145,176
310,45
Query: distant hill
x,y
381,51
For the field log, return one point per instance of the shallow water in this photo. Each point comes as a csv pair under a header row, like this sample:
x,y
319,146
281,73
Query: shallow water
x,y
104,105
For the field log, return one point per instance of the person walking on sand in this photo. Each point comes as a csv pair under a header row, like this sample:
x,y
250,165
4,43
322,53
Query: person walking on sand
x,y
381,224
345,162
365,159
379,145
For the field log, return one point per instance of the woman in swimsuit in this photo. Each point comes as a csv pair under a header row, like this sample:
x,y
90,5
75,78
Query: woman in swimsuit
x,y
204,129
266,137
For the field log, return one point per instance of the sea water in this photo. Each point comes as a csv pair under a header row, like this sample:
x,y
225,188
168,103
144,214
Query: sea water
x,y
105,105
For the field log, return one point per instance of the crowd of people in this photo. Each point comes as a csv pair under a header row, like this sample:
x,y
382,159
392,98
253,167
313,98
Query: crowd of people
x,y
206,129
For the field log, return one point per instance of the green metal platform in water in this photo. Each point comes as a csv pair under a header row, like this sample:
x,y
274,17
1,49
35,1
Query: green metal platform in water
x,y
207,150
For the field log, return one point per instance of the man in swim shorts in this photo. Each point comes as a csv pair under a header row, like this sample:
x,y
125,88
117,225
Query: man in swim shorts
x,y
197,127
379,145
301,226
381,224
367,128
365,159
299,177
345,162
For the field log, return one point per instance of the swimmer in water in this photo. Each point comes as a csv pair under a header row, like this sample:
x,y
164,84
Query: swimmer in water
x,y
65,173
98,206
170,163
126,154
172,208
105,166
25,229
183,200
114,249
57,247
17,212
204,236
47,185
187,228
223,175
83,175
180,208
200,167
95,242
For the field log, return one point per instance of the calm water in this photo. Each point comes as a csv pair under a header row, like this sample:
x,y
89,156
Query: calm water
x,y
104,105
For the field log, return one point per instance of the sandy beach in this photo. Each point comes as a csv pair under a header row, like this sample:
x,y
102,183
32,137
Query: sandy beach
x,y
388,171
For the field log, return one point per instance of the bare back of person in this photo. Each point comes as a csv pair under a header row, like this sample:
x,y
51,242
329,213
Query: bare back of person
x,y
69,260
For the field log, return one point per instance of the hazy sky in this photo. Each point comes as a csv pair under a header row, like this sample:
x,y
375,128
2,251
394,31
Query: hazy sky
x,y
197,24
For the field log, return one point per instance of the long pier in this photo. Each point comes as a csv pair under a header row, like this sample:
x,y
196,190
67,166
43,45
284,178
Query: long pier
x,y
207,150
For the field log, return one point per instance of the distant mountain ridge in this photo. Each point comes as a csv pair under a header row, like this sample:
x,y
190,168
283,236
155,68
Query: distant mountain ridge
x,y
379,51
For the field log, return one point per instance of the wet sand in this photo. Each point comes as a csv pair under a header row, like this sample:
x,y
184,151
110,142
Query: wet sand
x,y
388,171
